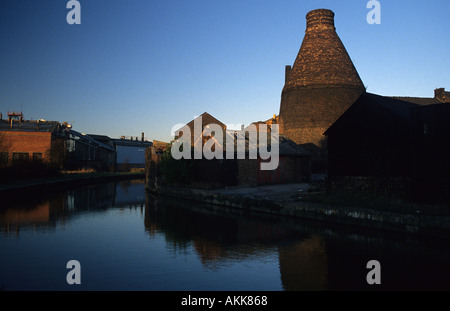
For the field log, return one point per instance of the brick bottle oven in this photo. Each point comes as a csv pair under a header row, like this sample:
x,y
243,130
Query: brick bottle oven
x,y
321,84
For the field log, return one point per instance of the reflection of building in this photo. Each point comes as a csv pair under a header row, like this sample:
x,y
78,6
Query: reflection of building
x,y
29,212
39,214
219,238
44,209
303,266
130,193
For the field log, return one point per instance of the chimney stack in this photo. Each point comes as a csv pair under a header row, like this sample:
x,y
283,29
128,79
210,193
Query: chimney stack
x,y
142,136
287,73
320,19
440,95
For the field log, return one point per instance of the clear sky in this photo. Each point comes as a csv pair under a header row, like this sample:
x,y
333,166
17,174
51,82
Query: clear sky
x,y
135,66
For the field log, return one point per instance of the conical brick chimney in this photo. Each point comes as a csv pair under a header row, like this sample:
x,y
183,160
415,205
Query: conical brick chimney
x,y
322,83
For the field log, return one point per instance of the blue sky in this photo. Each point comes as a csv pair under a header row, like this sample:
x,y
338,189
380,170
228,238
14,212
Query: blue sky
x,y
135,66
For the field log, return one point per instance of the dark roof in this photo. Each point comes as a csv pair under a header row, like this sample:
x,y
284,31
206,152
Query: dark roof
x,y
131,143
120,141
29,126
399,108
102,138
418,100
286,146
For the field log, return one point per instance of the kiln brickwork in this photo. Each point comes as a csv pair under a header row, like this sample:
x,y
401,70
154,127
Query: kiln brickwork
x,y
321,85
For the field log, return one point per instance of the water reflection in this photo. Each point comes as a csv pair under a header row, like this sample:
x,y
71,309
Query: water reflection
x,y
39,209
285,253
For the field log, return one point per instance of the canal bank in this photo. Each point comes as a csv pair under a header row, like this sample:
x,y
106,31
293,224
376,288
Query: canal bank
x,y
286,201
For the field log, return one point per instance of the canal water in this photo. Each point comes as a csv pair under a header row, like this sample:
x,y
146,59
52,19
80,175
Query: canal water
x,y
125,240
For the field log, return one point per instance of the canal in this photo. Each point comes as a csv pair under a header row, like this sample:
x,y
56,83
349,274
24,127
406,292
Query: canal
x,y
126,240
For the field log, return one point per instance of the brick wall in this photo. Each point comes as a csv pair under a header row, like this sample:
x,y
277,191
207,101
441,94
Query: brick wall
x,y
307,112
28,142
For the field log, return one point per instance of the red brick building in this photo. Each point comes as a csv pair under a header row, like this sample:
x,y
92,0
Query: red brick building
x,y
31,140
204,120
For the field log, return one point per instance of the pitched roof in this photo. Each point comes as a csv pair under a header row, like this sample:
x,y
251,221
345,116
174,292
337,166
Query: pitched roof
x,y
399,108
206,119
102,138
286,146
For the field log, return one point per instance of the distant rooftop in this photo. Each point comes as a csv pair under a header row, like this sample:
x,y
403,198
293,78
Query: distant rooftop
x,y
29,126
440,97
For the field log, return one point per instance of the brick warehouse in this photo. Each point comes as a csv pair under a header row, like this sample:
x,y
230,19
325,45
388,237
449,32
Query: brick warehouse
x,y
321,85
31,140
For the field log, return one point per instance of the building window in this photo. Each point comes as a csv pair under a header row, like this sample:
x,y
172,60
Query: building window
x,y
37,156
20,156
3,159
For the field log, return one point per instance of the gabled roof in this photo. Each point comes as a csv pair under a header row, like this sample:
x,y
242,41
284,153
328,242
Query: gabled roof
x,y
206,119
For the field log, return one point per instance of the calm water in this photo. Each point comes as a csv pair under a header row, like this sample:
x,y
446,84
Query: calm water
x,y
125,240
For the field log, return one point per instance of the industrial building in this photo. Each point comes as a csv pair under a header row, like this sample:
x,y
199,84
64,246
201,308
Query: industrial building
x,y
59,144
25,140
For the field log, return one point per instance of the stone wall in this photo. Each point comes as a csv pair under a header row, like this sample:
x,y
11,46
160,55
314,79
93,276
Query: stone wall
x,y
351,216
368,184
